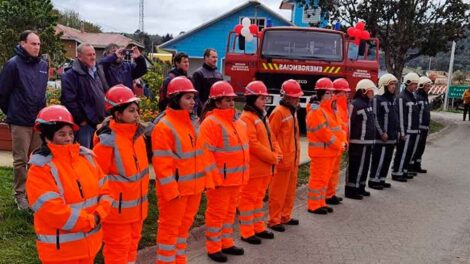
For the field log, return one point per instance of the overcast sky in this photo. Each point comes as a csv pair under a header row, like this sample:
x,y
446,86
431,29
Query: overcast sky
x,y
160,16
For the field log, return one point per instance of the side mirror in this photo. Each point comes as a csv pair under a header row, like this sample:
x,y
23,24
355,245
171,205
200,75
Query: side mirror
x,y
241,42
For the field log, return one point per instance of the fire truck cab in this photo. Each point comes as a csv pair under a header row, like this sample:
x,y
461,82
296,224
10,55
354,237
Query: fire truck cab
x,y
277,54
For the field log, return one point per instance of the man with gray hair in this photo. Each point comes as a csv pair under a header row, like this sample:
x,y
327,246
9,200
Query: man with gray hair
x,y
83,90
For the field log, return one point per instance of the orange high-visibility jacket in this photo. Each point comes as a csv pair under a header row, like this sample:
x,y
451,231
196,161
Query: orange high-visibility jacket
x,y
180,159
322,141
227,142
342,111
65,188
263,147
121,153
285,127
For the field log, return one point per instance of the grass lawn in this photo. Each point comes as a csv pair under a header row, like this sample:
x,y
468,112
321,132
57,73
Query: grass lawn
x,y
435,127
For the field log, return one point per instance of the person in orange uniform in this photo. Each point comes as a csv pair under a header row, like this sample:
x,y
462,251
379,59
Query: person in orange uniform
x,y
228,145
264,155
285,128
182,169
325,144
67,191
340,107
120,151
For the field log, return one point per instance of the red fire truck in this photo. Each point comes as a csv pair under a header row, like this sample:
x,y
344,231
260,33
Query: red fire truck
x,y
303,54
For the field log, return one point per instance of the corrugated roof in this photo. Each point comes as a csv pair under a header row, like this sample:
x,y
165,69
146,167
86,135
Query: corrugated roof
x,y
98,40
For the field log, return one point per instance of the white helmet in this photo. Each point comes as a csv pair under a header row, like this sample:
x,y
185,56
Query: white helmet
x,y
423,81
411,78
385,80
366,85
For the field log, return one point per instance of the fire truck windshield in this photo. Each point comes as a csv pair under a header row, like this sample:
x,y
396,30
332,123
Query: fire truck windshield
x,y
302,44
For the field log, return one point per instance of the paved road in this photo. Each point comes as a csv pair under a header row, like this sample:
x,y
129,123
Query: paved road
x,y
426,220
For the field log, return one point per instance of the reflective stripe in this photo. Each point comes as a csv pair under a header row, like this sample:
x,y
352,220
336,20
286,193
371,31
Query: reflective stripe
x,y
131,203
379,167
180,252
314,190
166,180
55,174
227,235
67,237
361,166
228,226
213,239
134,178
257,121
401,117
258,219
211,167
234,169
166,247
178,145
412,131
181,240
410,114
225,139
315,129
166,258
191,176
359,141
259,210
102,181
40,160
85,204
376,120
424,127
247,222
385,106
287,119
213,229
246,213
72,220
229,148
337,128
44,198
105,198
164,153
364,123
322,144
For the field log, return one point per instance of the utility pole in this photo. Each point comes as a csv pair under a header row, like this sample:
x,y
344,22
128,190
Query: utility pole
x,y
141,15
449,76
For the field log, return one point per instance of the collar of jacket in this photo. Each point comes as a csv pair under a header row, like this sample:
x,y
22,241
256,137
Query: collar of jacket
x,y
327,105
25,56
126,130
178,72
422,92
387,94
342,101
288,106
209,67
66,153
79,67
408,93
224,114
180,114
253,109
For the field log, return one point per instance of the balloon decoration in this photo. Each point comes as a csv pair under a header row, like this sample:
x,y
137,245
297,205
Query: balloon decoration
x,y
358,32
246,29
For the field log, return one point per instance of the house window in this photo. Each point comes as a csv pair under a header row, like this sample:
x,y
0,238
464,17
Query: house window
x,y
259,21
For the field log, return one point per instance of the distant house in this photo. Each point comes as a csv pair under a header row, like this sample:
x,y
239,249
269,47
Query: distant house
x,y
72,37
214,33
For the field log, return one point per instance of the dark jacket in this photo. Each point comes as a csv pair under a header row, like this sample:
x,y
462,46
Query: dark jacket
x,y
123,72
408,113
424,109
203,78
362,128
163,98
386,118
23,83
83,95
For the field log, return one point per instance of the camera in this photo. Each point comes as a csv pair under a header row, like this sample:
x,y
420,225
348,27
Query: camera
x,y
126,52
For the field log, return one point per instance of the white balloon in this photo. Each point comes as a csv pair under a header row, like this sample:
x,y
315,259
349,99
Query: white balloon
x,y
249,38
246,22
245,32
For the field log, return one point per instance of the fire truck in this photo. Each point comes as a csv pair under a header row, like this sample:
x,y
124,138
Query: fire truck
x,y
277,54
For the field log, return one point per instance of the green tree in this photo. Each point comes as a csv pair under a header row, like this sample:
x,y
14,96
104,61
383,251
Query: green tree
x,y
459,77
71,18
19,15
407,28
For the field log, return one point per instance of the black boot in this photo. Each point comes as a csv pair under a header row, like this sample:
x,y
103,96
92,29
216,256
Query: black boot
x,y
333,200
292,221
399,178
236,251
363,192
352,193
376,185
419,169
278,228
252,240
265,234
218,257
328,209
385,184
320,211
409,175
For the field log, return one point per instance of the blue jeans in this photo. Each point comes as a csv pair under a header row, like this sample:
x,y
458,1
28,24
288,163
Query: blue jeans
x,y
84,136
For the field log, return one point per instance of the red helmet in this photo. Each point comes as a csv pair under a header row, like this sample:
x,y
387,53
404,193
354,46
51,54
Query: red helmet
x,y
256,88
54,114
221,89
119,95
324,84
180,84
341,85
291,88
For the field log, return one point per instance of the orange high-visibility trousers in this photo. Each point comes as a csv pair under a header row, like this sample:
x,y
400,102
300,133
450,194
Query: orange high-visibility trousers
x,y
251,206
282,195
334,179
220,216
175,219
121,242
320,172
78,261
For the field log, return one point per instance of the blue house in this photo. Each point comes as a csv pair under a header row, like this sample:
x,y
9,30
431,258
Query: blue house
x,y
214,33
303,16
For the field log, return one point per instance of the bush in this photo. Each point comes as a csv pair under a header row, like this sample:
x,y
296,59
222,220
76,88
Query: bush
x,y
154,79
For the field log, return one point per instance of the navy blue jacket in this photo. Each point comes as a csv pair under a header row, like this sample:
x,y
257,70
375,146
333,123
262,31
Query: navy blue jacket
x,y
362,124
203,79
408,113
23,83
163,100
83,95
123,72
424,109
386,118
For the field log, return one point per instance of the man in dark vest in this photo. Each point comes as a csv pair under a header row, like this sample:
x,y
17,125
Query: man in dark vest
x,y
181,67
